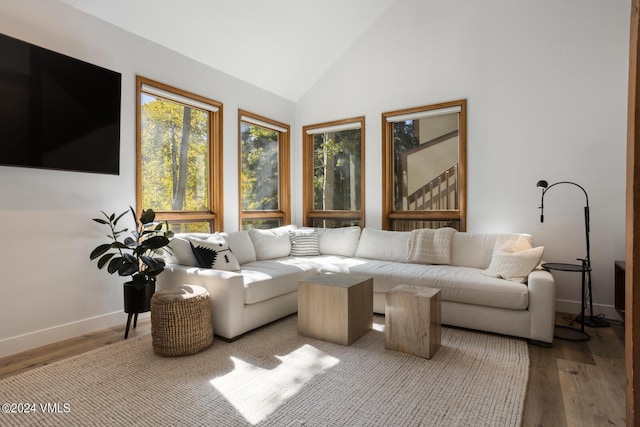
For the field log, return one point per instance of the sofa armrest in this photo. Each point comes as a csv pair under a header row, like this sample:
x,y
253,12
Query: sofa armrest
x,y
226,290
542,305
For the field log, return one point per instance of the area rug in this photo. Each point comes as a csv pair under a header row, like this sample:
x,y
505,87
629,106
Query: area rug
x,y
274,377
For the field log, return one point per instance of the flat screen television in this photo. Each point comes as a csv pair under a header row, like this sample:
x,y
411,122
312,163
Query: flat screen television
x,y
57,112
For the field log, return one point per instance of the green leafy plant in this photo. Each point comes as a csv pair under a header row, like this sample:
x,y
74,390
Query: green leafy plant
x,y
137,255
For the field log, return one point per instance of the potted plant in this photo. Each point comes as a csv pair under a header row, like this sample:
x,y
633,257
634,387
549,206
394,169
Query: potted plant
x,y
137,255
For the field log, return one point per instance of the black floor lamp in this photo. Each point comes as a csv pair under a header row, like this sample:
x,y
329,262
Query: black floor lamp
x,y
584,267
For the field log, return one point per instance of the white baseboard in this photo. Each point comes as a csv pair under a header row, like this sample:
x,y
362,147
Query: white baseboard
x,y
573,307
20,343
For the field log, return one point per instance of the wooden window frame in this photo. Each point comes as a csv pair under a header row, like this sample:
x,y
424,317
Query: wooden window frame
x,y
309,214
388,212
214,216
284,181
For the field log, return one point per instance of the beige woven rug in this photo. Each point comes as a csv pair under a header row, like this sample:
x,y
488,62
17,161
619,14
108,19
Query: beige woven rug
x,y
275,377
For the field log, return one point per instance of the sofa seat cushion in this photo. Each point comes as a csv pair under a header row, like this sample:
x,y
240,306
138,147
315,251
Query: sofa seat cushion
x,y
268,279
458,284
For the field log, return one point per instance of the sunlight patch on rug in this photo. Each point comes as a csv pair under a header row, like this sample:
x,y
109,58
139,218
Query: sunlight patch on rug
x,y
250,388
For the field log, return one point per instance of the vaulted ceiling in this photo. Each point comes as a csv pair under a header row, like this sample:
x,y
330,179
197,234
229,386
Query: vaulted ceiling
x,y
282,46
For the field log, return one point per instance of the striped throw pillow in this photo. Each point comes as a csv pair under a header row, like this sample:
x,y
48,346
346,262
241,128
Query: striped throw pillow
x,y
304,242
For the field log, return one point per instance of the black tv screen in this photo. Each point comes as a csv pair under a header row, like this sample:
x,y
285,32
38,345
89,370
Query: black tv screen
x,y
57,112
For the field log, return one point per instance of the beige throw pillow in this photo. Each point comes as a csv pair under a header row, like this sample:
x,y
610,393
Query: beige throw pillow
x,y
514,259
430,246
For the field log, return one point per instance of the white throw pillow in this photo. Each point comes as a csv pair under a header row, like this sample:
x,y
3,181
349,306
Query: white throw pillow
x,y
304,243
514,259
214,253
272,243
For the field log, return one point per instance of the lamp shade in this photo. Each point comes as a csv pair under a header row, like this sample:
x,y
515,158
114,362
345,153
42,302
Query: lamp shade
x,y
542,184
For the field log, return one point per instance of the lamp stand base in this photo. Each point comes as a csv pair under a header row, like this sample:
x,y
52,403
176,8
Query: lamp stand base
x,y
593,321
568,333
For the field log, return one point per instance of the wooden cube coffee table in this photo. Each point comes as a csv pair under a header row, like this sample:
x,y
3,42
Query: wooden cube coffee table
x,y
335,307
412,320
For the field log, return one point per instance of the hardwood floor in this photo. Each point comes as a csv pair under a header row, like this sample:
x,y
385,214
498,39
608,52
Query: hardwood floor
x,y
578,383
570,384
47,354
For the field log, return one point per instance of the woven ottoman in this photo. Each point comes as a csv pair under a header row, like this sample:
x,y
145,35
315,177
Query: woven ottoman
x,y
181,320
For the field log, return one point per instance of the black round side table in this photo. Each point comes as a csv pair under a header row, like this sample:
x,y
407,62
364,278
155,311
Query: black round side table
x,y
585,269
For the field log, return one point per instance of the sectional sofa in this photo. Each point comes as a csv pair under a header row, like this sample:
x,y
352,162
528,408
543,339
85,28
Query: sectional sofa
x,y
252,275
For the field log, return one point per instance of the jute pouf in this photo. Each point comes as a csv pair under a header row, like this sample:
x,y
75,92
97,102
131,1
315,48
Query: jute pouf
x,y
181,320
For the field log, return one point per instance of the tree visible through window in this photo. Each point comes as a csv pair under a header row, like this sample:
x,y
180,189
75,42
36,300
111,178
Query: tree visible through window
x,y
333,172
264,172
176,156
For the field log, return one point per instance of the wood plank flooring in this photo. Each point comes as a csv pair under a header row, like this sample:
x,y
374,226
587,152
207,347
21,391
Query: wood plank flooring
x,y
570,384
578,383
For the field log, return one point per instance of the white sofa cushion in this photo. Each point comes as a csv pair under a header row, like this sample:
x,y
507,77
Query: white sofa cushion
x,y
476,249
457,284
241,245
264,280
383,245
339,241
513,259
272,243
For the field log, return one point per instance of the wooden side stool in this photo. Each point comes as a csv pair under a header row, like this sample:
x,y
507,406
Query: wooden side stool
x,y
412,320
181,320
335,307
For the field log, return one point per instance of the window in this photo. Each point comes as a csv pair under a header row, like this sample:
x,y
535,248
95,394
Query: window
x,y
424,167
179,157
264,172
333,173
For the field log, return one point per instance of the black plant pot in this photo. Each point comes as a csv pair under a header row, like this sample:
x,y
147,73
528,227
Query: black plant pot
x,y
137,299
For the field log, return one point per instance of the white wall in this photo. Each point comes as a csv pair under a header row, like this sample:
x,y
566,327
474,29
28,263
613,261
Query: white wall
x,y
49,290
546,84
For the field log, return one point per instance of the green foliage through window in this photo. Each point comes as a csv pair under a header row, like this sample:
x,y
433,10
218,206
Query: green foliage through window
x,y
260,172
336,170
174,156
